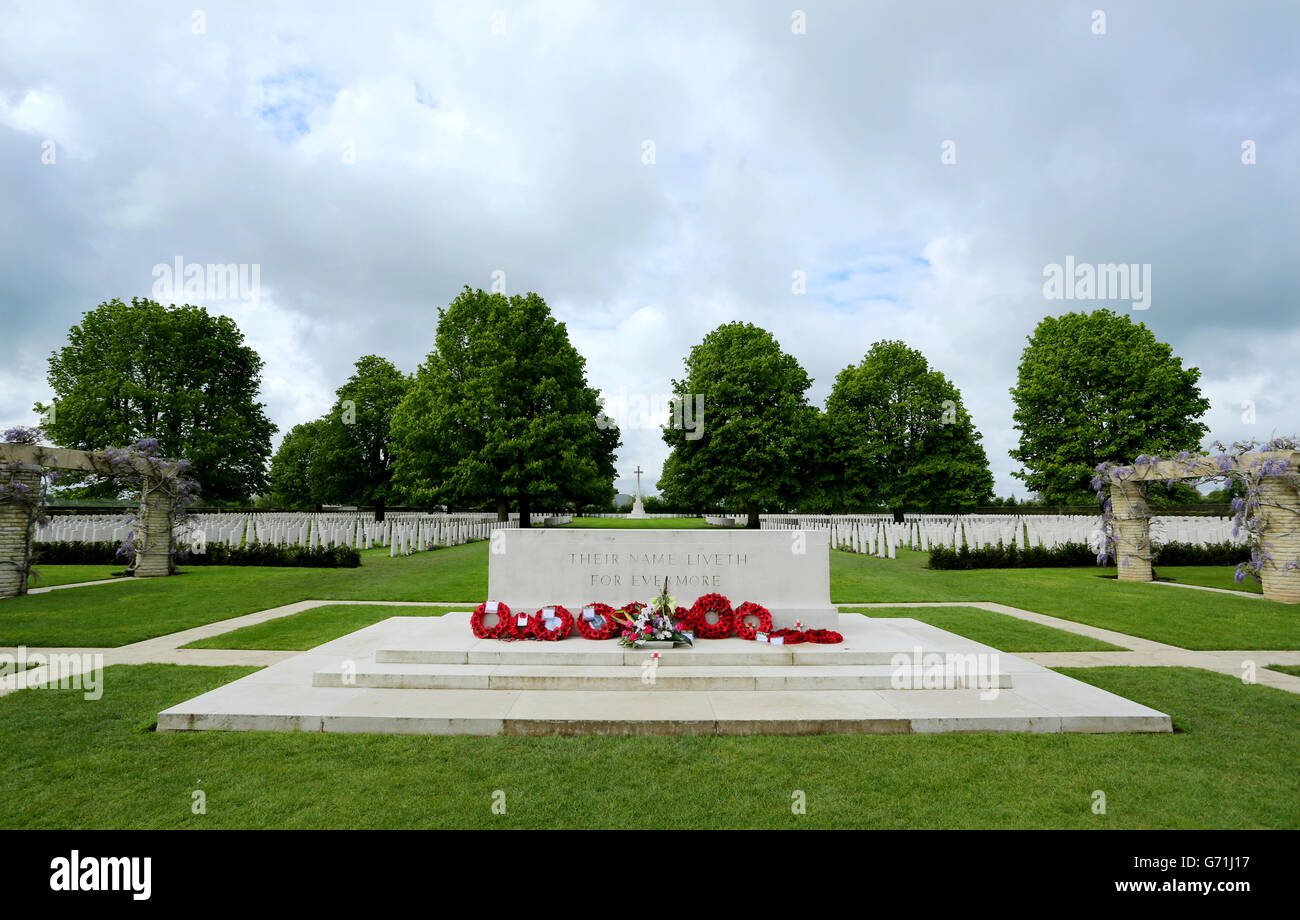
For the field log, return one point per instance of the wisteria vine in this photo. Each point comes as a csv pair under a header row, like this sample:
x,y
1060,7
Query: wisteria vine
x,y
163,483
1248,510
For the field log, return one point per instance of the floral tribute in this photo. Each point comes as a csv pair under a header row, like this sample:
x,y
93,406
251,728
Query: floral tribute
x,y
746,630
550,624
823,636
596,621
717,606
686,619
489,609
634,624
518,625
787,636
653,622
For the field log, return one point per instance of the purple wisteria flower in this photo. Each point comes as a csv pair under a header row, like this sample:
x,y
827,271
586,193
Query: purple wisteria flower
x,y
21,434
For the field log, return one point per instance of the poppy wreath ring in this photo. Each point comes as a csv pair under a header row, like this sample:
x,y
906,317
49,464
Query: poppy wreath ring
x,y
494,631
540,630
513,629
788,636
823,636
750,609
716,604
604,616
685,618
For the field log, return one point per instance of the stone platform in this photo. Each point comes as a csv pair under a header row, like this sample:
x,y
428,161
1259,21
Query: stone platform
x,y
430,675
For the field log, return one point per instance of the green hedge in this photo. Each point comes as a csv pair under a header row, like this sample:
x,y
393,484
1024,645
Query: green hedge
x,y
1067,555
1195,554
105,553
101,553
1073,555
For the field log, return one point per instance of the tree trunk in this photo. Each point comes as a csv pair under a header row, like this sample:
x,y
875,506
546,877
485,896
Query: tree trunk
x,y
503,511
525,516
379,510
752,523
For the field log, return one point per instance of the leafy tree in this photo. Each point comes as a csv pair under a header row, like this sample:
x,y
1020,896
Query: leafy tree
x,y
753,452
353,463
900,438
176,374
501,413
291,467
1094,387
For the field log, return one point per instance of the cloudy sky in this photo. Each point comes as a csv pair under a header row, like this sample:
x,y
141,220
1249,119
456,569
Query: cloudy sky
x,y
372,159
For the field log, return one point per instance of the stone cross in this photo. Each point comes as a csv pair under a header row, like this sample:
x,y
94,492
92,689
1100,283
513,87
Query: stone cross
x,y
638,472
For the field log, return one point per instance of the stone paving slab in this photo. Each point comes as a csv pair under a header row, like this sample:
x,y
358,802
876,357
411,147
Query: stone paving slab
x,y
282,698
636,677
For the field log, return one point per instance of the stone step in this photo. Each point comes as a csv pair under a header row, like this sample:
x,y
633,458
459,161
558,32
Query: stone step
x,y
610,654
398,676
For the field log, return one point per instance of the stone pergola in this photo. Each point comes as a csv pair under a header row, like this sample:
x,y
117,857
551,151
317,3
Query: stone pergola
x,y
25,464
1279,512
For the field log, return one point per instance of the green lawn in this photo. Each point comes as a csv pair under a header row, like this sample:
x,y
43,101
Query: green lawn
x,y
1003,632
110,615
1292,669
301,631
1210,576
49,575
1191,619
73,763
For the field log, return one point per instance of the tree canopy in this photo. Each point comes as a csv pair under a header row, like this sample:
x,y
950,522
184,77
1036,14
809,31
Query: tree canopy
x,y
754,445
346,456
501,413
1094,387
900,437
177,374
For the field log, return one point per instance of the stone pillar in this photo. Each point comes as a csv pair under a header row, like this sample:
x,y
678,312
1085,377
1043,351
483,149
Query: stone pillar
x,y
1281,533
154,554
1132,531
16,531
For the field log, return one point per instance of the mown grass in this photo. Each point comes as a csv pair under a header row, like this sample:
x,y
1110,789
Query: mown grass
x,y
109,615
47,576
1209,576
1003,632
73,763
1191,619
301,631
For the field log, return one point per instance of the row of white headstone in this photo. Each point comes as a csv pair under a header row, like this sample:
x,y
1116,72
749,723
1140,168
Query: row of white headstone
x,y
403,533
880,535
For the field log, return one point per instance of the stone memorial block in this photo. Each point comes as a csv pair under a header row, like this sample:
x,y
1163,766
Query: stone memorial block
x,y
787,571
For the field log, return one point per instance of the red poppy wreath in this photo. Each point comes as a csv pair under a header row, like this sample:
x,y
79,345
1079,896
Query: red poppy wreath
x,y
600,624
823,636
518,625
787,636
748,630
499,611
717,606
550,624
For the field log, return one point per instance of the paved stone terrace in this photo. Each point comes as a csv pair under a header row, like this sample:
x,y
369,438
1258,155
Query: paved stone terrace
x,y
1142,652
